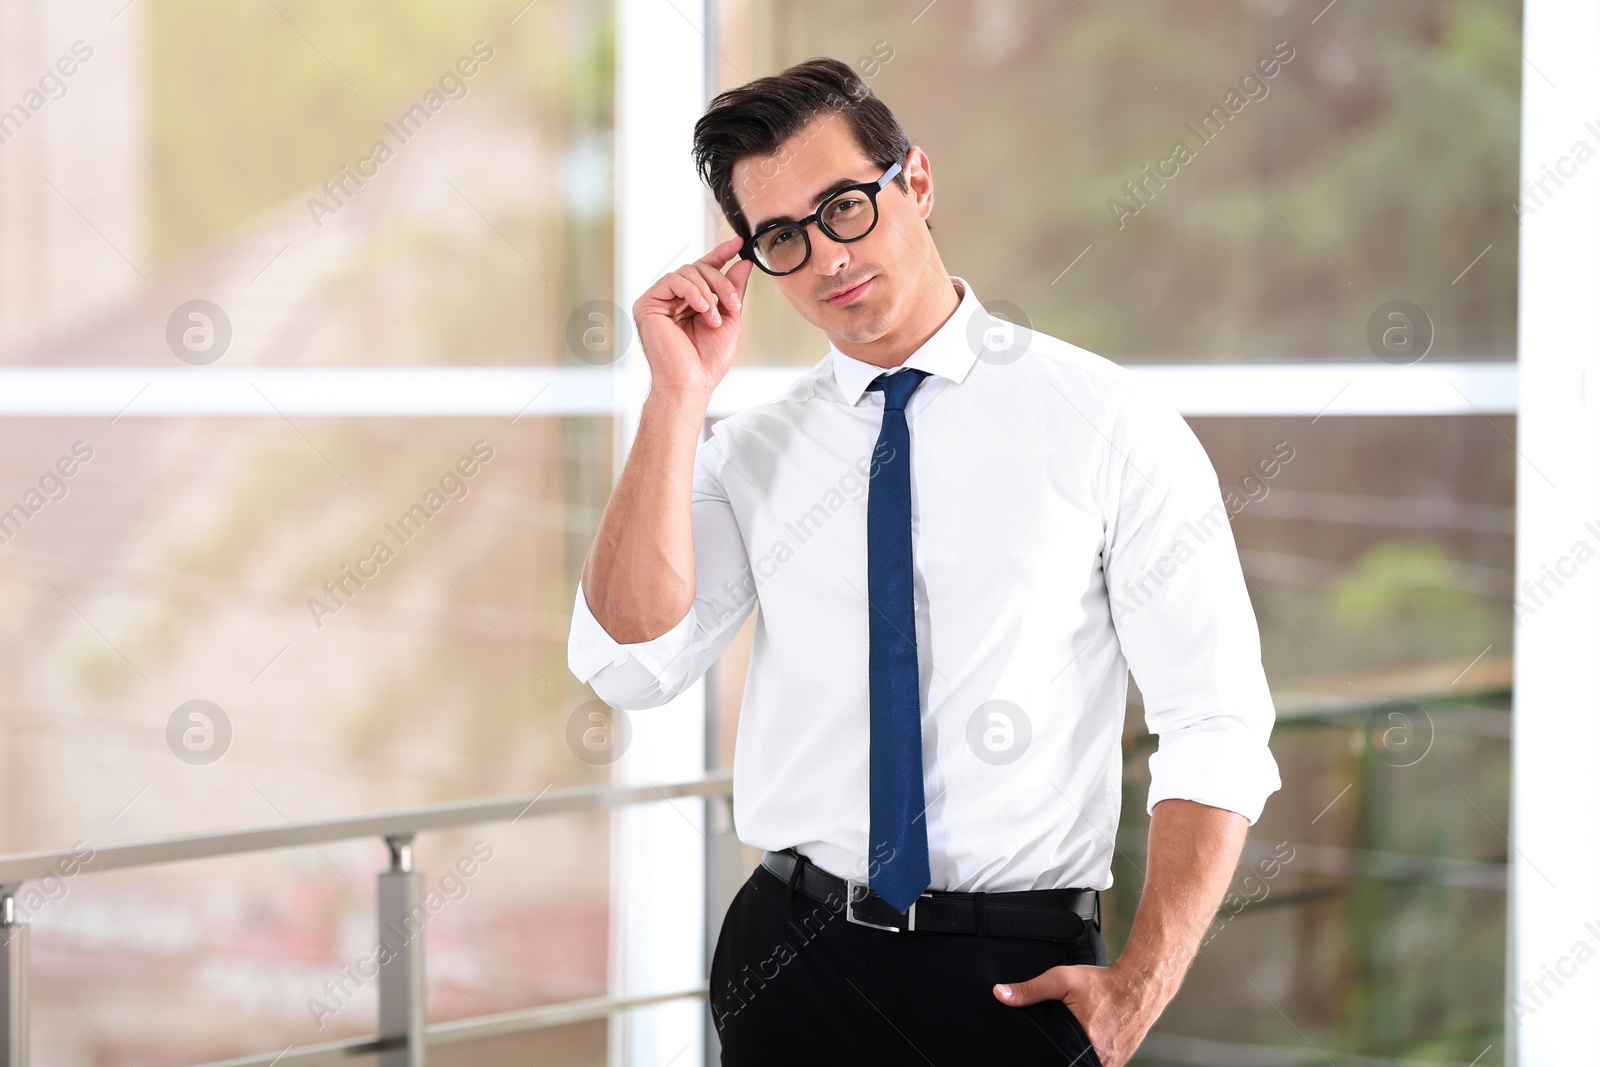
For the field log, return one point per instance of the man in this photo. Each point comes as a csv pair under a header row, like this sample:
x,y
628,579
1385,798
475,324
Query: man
x,y
960,540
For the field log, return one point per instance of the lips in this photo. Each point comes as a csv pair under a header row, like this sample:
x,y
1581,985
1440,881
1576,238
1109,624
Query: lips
x,y
849,295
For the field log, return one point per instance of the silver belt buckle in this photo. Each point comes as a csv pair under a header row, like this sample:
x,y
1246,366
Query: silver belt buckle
x,y
851,896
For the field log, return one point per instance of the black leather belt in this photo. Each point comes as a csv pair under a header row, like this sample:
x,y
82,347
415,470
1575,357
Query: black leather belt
x,y
1050,914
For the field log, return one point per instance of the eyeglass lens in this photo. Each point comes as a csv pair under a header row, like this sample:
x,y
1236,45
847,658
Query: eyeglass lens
x,y
785,248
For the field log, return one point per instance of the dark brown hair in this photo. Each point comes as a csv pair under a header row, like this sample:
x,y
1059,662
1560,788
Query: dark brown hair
x,y
755,120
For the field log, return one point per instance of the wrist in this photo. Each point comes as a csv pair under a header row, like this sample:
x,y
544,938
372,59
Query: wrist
x,y
689,403
1149,984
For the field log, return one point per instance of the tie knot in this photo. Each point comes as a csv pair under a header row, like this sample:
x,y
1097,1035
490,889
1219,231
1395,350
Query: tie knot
x,y
897,388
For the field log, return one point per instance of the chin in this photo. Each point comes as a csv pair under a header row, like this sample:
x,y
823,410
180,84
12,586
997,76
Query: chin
x,y
862,333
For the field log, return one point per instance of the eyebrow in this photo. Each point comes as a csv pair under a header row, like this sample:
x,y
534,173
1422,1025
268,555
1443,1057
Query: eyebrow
x,y
842,183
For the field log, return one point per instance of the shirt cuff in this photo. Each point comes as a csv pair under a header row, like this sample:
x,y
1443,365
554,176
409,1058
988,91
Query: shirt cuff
x,y
590,649
1222,767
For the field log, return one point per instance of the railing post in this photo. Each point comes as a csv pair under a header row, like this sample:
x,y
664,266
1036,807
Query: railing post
x,y
402,996
13,981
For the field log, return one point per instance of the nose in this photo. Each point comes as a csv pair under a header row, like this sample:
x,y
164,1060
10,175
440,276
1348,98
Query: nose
x,y
828,257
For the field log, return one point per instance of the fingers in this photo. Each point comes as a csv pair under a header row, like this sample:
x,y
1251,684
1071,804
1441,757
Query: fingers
x,y
703,288
717,290
718,257
695,293
719,287
1051,985
738,275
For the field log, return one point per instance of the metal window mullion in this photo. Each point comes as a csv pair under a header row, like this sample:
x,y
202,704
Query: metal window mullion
x,y
1239,389
1554,842
14,1006
657,873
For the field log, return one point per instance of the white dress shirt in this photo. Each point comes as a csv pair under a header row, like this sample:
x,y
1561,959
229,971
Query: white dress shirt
x,y
1067,526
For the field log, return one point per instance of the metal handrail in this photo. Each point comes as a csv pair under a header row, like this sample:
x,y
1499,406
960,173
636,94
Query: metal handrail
x,y
500,1024
403,822
403,1033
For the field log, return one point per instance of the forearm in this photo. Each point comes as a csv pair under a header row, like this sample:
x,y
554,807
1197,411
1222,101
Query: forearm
x,y
639,576
1193,851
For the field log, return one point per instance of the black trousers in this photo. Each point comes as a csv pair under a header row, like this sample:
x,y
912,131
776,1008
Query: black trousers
x,y
792,982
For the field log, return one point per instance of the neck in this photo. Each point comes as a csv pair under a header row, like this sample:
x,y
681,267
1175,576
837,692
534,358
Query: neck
x,y
931,308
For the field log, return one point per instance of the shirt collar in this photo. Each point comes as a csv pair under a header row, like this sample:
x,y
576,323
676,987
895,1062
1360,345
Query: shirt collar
x,y
947,353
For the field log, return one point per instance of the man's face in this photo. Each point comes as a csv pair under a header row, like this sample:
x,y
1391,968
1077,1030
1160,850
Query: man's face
x,y
891,260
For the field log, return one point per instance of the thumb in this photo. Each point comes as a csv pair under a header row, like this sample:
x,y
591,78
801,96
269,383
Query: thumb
x,y
739,275
1051,985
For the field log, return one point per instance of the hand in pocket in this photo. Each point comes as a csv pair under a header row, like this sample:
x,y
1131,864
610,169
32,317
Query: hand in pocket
x,y
1111,1009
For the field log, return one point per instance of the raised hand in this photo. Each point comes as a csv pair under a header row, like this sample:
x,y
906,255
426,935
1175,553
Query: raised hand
x,y
689,322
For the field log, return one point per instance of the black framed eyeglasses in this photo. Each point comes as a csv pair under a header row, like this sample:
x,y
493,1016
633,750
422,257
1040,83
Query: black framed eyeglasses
x,y
783,247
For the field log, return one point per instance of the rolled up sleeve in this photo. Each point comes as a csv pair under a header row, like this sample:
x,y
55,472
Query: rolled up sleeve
x,y
647,674
1183,615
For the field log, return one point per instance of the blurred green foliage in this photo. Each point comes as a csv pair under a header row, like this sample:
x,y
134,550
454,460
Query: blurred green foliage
x,y
1411,593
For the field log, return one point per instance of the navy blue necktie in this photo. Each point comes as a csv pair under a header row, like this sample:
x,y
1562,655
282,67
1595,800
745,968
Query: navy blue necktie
x,y
898,864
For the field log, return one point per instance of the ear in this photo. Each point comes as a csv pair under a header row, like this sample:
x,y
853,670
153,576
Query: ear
x,y
919,179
